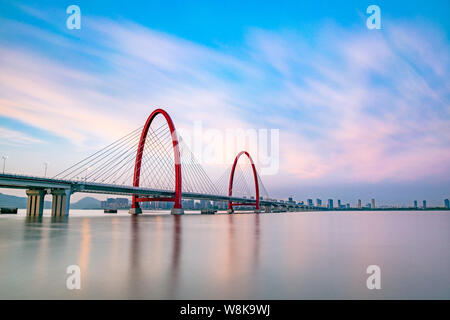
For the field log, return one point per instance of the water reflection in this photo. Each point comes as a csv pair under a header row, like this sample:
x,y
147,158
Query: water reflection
x,y
42,234
176,252
135,255
85,248
241,256
33,219
256,246
145,244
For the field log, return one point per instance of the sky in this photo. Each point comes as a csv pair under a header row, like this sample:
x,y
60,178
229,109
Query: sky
x,y
361,113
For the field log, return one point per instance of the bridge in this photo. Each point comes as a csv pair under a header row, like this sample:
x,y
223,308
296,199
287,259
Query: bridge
x,y
152,163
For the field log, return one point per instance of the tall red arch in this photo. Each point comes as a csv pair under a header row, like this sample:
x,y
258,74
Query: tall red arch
x,y
176,154
255,176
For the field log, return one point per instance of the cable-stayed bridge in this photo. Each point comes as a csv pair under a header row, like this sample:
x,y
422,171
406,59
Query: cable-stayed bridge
x,y
151,163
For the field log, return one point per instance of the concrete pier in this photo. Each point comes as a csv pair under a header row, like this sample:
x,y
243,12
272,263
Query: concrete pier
x,y
35,203
135,211
60,202
177,211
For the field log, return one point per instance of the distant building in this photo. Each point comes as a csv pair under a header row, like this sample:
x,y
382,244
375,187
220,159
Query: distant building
x,y
319,202
348,205
424,204
205,204
310,202
330,203
220,205
122,202
188,204
339,204
373,203
291,201
447,203
415,204
115,203
359,204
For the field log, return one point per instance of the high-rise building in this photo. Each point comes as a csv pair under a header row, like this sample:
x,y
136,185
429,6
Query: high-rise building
x,y
424,204
415,204
339,204
115,203
205,204
372,204
447,203
188,204
348,205
359,204
319,202
330,203
310,202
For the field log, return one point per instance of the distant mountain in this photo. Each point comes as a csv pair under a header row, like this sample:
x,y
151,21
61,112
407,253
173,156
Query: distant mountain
x,y
7,201
86,203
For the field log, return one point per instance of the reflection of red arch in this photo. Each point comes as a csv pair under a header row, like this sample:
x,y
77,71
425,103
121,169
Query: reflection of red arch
x,y
230,187
176,153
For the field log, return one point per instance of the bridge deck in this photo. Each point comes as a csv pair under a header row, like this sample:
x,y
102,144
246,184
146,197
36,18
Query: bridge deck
x,y
31,182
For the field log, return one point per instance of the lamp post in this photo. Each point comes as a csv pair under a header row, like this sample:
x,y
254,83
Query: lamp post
x,y
4,162
45,169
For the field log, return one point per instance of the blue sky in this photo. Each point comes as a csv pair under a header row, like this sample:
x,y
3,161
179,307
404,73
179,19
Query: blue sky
x,y
362,113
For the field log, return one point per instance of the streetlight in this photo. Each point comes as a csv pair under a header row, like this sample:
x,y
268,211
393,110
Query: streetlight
x,y
45,169
4,162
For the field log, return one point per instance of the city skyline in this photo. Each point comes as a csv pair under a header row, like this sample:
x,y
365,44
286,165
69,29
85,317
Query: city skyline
x,y
191,204
365,118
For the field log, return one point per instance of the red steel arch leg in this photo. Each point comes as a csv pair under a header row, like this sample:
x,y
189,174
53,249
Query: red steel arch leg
x,y
177,208
255,176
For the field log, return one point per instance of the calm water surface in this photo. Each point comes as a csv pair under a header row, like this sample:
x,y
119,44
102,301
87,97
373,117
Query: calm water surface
x,y
321,255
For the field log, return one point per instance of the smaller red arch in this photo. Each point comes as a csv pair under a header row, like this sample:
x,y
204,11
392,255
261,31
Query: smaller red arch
x,y
255,176
177,158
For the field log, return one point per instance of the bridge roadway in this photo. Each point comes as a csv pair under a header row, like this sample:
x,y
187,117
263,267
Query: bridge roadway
x,y
62,189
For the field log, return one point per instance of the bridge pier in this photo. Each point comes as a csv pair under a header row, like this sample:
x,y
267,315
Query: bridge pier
x,y
177,211
135,211
267,209
35,203
60,202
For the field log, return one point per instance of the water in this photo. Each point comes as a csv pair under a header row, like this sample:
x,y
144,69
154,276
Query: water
x,y
311,255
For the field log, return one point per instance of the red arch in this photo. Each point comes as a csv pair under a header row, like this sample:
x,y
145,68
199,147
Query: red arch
x,y
176,153
230,186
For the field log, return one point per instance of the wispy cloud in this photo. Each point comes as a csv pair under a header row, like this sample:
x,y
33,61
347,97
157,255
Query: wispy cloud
x,y
352,106
16,138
